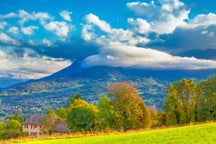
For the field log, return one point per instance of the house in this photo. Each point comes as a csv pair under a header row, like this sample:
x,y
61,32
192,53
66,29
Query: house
x,y
60,127
33,125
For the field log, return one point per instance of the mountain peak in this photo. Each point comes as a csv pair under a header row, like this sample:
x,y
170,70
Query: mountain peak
x,y
74,68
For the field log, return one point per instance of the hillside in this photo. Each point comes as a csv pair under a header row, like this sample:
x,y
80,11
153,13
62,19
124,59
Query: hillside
x,y
197,134
54,91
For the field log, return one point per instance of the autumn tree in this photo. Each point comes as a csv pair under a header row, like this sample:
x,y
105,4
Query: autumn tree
x,y
180,102
129,108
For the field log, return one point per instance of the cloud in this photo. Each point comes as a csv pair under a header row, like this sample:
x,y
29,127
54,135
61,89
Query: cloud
x,y
29,65
13,30
25,16
3,24
184,39
29,30
4,38
139,25
163,18
61,29
71,48
202,20
119,55
66,15
93,19
102,33
9,15
47,42
118,47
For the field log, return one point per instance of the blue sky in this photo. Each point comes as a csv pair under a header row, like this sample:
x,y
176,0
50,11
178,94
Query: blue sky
x,y
39,37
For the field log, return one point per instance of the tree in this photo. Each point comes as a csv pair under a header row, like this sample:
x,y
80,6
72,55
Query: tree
x,y
74,97
106,113
207,107
2,126
82,116
13,125
180,102
20,118
130,109
49,121
62,113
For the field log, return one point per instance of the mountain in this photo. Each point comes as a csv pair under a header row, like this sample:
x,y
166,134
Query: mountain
x,y
7,82
74,68
54,91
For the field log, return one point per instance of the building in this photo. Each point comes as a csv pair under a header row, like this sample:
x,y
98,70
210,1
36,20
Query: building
x,y
60,127
33,125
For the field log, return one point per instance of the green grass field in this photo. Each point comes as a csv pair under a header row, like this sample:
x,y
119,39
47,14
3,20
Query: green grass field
x,y
197,134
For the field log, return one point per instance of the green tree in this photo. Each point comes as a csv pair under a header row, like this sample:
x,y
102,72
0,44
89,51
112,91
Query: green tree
x,y
180,102
130,109
20,118
62,113
82,116
2,126
49,121
13,125
106,114
207,107
73,98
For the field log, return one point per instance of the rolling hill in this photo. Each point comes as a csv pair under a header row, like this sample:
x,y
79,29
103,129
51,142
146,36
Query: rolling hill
x,y
36,96
196,134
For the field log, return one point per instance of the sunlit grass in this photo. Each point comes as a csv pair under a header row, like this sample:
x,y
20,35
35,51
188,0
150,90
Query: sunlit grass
x,y
196,134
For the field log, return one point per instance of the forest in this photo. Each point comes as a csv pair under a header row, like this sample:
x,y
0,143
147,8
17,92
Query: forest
x,y
122,109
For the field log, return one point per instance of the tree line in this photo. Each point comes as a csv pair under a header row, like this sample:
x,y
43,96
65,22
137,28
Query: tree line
x,y
122,109
188,101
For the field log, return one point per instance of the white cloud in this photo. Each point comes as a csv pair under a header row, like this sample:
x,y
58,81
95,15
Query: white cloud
x,y
122,36
13,30
108,34
61,29
66,15
120,55
207,33
139,25
9,15
86,32
28,66
4,38
47,42
3,24
202,21
29,30
25,16
163,18
93,19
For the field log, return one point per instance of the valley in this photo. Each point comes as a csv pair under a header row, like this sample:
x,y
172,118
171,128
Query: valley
x,y
37,96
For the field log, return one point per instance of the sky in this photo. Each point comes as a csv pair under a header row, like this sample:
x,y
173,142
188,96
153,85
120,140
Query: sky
x,y
40,37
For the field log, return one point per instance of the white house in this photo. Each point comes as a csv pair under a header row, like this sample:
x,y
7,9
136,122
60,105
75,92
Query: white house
x,y
33,125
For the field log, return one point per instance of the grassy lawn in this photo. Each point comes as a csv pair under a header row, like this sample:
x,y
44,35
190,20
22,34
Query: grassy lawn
x,y
197,134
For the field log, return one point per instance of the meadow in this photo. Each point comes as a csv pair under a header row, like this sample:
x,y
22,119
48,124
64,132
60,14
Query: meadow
x,y
195,134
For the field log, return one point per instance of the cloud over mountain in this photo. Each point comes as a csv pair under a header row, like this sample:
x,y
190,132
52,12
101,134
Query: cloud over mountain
x,y
150,34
